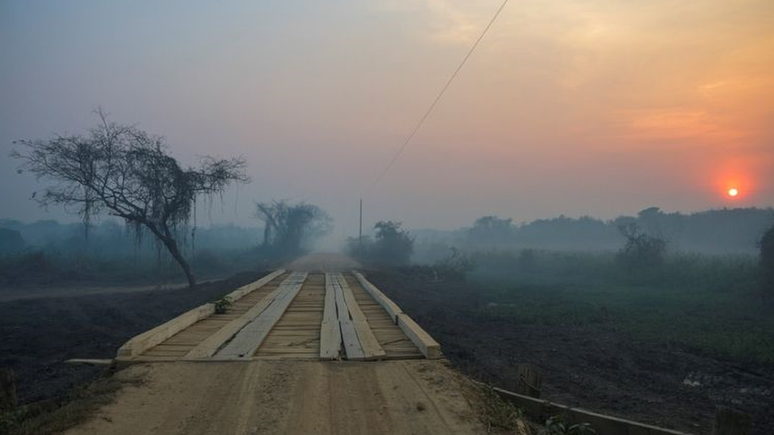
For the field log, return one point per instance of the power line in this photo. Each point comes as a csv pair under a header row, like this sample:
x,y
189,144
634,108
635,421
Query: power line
x,y
435,102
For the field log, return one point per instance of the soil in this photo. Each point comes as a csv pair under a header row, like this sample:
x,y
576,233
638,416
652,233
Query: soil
x,y
287,397
38,334
595,368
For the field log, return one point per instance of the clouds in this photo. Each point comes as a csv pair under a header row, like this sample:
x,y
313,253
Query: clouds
x,y
561,98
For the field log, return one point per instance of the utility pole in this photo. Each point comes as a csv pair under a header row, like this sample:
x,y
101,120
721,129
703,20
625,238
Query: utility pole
x,y
360,232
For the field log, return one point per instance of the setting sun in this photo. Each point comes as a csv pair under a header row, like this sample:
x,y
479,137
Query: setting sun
x,y
732,192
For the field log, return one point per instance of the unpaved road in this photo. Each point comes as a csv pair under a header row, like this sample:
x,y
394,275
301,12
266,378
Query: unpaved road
x,y
289,397
323,261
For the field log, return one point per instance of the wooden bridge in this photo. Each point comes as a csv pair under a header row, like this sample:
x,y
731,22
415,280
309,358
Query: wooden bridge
x,y
289,315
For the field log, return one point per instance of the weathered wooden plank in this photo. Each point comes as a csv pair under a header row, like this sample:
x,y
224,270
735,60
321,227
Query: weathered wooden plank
x,y
210,345
392,309
354,309
351,342
341,304
330,331
249,288
368,342
157,335
250,338
163,332
429,347
602,424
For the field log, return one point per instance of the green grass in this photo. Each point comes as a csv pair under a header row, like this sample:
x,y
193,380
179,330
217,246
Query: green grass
x,y
709,304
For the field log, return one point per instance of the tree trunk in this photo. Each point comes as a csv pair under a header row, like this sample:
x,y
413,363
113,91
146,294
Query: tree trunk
x,y
171,244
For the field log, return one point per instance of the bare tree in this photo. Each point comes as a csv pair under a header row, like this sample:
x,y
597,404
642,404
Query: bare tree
x,y
641,250
128,173
287,227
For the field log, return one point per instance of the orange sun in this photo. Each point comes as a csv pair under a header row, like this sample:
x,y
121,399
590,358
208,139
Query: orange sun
x,y
732,192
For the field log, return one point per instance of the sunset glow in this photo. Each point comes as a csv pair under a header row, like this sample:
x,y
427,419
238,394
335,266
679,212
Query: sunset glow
x,y
560,99
732,192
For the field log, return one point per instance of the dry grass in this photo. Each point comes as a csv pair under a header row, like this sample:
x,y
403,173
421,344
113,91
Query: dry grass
x,y
52,417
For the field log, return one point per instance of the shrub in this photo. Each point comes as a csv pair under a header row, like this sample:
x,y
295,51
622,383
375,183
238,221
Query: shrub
x,y
641,250
767,261
455,266
223,304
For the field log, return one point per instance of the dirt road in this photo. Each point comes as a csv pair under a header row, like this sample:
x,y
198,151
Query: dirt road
x,y
288,397
323,261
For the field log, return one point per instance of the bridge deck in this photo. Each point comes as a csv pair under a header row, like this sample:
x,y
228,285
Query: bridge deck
x,y
263,323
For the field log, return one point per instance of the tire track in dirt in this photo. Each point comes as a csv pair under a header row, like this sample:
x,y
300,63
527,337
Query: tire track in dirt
x,y
284,397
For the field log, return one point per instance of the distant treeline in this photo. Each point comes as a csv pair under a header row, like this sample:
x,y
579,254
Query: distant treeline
x,y
713,231
111,238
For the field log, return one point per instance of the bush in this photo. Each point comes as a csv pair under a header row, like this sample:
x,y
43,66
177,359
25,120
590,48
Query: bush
x,y
767,261
641,250
392,245
455,266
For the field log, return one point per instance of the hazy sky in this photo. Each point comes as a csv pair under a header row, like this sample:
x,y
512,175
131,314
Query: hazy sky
x,y
597,107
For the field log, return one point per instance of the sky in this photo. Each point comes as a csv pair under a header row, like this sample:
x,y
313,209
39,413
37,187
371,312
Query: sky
x,y
574,107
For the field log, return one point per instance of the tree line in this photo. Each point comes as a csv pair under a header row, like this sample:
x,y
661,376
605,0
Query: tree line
x,y
127,173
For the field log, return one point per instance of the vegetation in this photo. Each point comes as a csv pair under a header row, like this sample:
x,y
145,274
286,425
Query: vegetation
x,y
455,266
713,231
391,246
57,416
288,227
223,304
767,262
128,173
641,250
710,304
497,414
556,426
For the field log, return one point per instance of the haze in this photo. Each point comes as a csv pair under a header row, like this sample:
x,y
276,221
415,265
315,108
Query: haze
x,y
585,107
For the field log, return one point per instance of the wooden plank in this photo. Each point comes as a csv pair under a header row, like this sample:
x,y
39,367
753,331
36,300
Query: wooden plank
x,y
602,424
157,335
354,310
392,309
330,331
249,288
329,307
250,338
163,332
351,342
368,342
429,347
341,304
529,380
210,345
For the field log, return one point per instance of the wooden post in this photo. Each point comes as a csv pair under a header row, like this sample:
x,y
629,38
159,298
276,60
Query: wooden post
x,y
731,422
7,390
529,380
360,233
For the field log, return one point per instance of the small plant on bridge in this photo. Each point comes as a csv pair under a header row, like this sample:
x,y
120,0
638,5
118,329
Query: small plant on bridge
x,y
556,426
223,304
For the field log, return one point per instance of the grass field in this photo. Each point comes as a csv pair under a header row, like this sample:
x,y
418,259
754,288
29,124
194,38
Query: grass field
x,y
708,304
